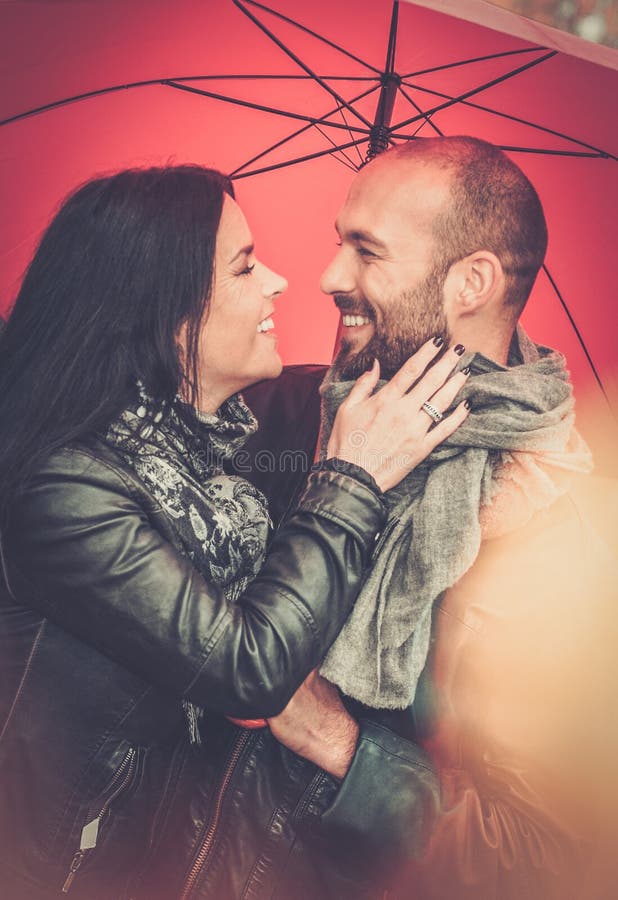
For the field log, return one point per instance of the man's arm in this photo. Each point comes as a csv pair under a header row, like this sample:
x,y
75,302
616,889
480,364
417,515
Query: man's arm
x,y
382,789
315,724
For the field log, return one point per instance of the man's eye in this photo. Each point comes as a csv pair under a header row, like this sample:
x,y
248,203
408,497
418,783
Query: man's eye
x,y
362,251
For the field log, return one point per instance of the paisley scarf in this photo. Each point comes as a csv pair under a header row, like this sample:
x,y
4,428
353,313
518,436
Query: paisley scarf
x,y
221,521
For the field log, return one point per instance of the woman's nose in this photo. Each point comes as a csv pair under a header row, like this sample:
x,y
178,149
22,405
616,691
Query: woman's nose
x,y
274,284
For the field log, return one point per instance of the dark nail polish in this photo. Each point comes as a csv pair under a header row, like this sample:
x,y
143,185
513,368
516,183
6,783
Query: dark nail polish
x,y
467,404
459,349
438,341
466,371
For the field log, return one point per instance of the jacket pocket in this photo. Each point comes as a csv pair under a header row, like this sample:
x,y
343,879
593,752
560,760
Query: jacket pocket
x,y
100,810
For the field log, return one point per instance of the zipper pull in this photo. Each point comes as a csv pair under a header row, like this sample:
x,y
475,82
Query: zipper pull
x,y
90,833
88,841
75,864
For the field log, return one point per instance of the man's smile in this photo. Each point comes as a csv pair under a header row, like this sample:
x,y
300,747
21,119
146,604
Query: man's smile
x,y
355,321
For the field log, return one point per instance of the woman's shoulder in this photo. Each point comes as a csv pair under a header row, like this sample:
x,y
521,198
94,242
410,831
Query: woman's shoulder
x,y
80,475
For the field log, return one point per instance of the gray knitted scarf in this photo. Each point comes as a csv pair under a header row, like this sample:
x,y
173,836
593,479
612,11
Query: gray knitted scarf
x,y
221,521
508,459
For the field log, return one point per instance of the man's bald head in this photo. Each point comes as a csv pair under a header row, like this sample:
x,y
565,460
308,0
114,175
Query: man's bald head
x,y
492,206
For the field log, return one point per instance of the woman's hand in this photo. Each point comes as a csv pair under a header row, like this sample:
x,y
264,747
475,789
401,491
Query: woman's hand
x,y
389,433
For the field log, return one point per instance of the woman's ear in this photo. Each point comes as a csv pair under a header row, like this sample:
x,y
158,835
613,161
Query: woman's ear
x,y
472,283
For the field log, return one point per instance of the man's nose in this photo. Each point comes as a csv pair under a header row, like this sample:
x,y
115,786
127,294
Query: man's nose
x,y
337,278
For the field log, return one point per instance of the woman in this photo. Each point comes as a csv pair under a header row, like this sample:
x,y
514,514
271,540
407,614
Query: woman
x,y
133,615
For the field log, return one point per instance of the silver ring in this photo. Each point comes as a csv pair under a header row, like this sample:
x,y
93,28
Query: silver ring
x,y
432,412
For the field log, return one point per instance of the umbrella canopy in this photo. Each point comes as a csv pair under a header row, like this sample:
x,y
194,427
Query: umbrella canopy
x,y
159,78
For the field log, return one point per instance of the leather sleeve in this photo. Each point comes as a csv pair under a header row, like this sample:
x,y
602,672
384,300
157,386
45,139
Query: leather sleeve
x,y
377,820
388,799
81,548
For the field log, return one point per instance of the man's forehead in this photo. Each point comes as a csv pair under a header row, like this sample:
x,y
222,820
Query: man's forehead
x,y
389,196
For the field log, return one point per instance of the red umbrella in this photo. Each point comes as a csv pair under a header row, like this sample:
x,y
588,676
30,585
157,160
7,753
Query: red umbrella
x,y
222,82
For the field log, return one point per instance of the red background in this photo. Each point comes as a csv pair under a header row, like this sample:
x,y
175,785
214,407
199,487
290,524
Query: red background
x,y
51,50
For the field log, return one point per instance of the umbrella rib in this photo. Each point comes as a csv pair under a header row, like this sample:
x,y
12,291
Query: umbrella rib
x,y
513,118
273,77
474,59
346,161
477,90
359,154
577,332
577,154
299,159
75,98
297,59
428,119
300,131
307,30
259,106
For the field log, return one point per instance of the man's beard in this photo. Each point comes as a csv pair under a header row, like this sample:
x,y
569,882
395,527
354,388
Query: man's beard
x,y
409,320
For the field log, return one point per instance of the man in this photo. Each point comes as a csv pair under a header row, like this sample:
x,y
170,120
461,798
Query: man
x,y
476,615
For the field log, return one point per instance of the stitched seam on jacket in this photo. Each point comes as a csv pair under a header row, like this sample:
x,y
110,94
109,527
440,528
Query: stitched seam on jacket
x,y
340,520
407,759
226,621
136,490
124,714
346,482
26,672
212,643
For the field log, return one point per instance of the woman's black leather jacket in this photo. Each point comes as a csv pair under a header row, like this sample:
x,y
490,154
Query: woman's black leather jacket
x,y
105,628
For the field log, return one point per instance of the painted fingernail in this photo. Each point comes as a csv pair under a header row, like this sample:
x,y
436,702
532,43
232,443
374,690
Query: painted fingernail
x,y
459,349
438,341
466,371
467,404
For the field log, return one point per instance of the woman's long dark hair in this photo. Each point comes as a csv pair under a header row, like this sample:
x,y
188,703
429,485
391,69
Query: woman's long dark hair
x,y
126,262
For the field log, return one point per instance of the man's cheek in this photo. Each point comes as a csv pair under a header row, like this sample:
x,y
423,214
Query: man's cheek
x,y
378,291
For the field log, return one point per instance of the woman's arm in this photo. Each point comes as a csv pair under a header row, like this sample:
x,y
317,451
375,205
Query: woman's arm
x,y
81,548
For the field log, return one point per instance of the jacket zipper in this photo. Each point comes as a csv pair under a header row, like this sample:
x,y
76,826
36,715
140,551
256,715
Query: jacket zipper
x,y
315,782
207,843
381,537
90,831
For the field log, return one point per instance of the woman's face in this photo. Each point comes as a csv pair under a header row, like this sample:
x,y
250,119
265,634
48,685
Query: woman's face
x,y
237,344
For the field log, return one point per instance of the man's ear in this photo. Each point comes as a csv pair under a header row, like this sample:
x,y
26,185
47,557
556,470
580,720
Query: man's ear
x,y
472,283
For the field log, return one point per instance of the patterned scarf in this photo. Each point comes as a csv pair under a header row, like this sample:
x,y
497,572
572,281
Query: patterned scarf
x,y
511,457
221,521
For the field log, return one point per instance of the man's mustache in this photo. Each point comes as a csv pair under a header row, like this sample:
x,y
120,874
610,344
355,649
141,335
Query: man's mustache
x,y
357,305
